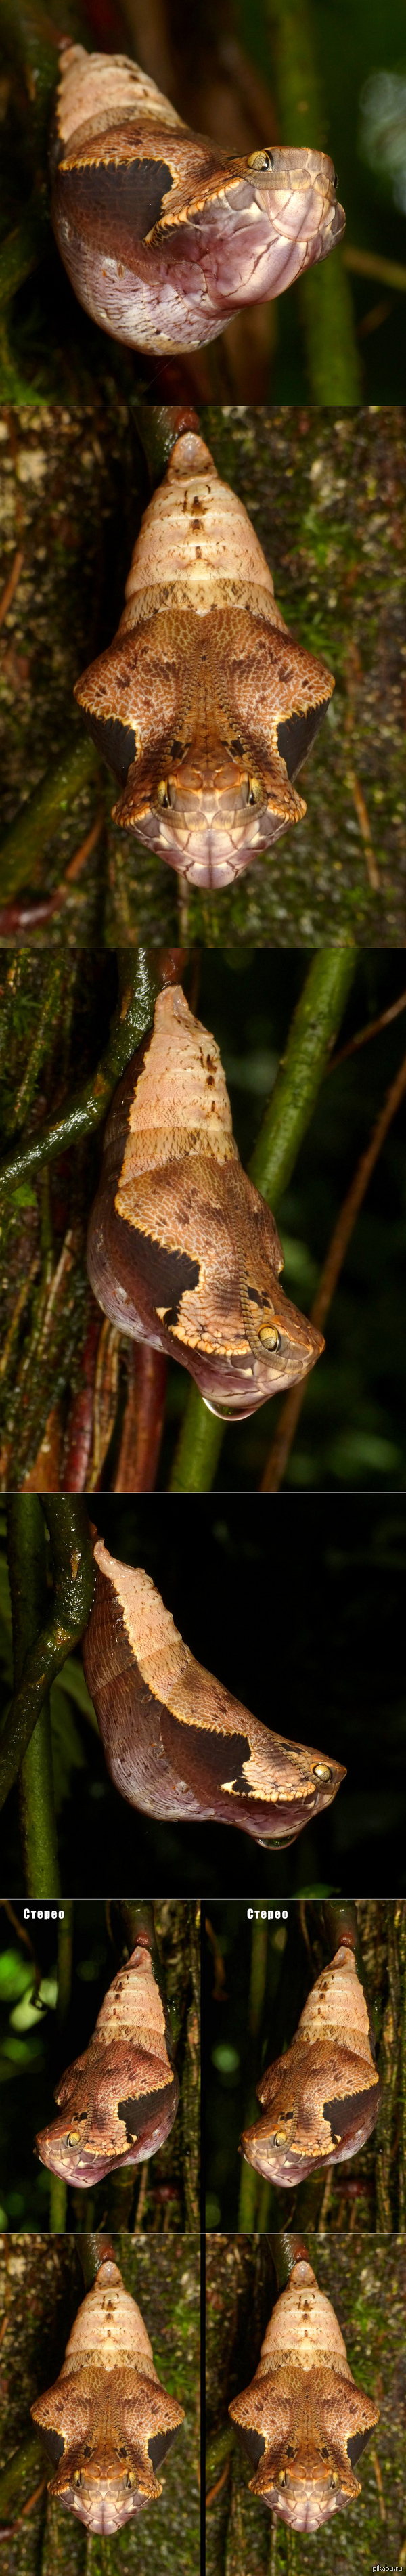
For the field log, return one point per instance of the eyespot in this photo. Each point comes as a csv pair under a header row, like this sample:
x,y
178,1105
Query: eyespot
x,y
260,161
270,1337
162,793
321,1771
335,179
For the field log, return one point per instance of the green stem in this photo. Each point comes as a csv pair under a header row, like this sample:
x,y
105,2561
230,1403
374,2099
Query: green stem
x,y
58,2195
74,1586
250,2182
311,1037
140,979
28,1587
42,813
325,296
198,1448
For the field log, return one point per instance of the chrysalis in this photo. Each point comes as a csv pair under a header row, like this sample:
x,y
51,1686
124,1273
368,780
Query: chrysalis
x,y
118,2101
182,1251
164,235
203,705
320,2101
177,1743
303,2421
107,2423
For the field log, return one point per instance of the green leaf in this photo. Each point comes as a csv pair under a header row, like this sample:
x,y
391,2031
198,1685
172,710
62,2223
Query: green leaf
x,y
15,1975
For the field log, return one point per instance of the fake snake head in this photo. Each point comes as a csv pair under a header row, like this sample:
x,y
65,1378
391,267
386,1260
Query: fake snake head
x,y
303,2421
204,705
164,235
107,2423
321,2100
209,801
182,1251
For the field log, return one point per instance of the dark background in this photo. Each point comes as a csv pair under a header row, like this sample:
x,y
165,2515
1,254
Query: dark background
x,y
299,1608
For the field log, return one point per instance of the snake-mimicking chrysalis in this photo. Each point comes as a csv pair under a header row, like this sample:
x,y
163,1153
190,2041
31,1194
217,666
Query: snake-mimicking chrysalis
x,y
117,2102
176,1741
107,2423
321,2100
204,706
303,2420
182,1251
164,235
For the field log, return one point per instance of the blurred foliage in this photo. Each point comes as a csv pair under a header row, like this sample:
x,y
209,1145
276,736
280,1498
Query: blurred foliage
x,y
224,68
352,1429
35,2049
325,488
42,2288
301,1614
365,2278
293,1951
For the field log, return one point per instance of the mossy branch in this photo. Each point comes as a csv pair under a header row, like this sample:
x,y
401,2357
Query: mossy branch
x,y
42,814
142,973
72,1554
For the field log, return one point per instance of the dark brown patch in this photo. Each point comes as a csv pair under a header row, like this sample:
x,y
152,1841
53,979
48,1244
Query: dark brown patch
x,y
138,2111
164,1274
159,2444
296,735
116,741
356,2444
344,2115
117,205
54,2444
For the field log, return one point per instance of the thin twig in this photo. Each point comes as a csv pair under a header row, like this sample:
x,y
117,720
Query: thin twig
x,y
368,263
372,1030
